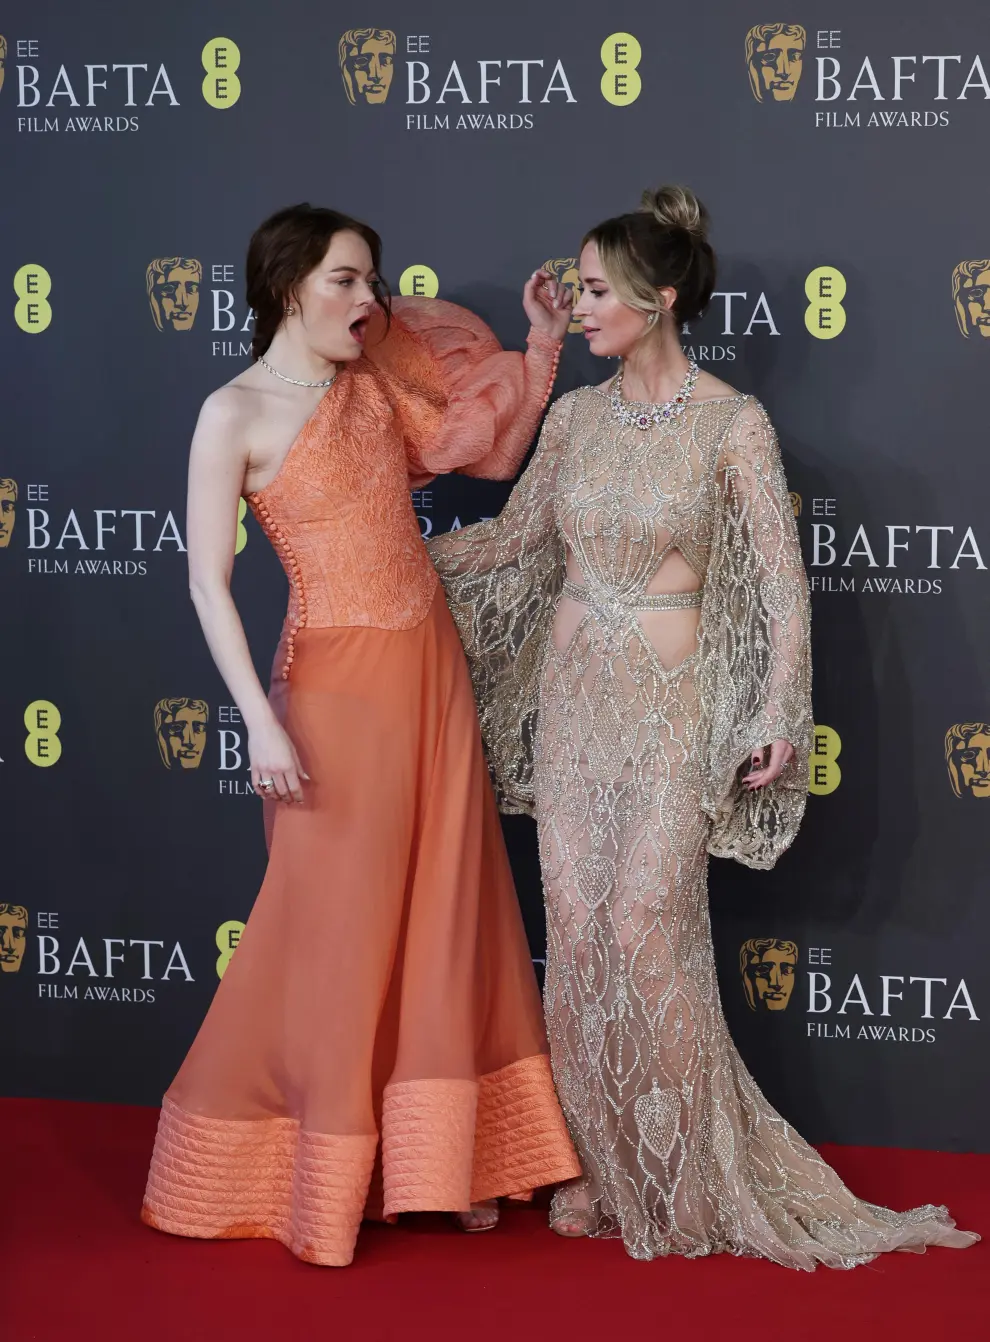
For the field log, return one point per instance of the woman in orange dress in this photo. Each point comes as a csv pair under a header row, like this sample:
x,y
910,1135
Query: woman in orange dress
x,y
376,1045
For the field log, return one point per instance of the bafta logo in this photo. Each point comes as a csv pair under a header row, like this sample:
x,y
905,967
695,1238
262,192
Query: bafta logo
x,y
774,59
173,291
797,503
13,936
767,967
180,728
367,62
970,287
565,268
3,58
967,758
8,510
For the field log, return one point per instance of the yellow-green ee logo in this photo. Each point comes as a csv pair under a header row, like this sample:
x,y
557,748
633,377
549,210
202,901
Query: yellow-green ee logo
x,y
42,746
228,936
32,312
823,769
221,61
621,55
419,282
825,317
241,528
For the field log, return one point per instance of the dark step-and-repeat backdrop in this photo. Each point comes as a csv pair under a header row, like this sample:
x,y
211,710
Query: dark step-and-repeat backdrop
x,y
842,154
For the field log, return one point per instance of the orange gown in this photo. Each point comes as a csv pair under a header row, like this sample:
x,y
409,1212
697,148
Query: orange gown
x,y
376,1044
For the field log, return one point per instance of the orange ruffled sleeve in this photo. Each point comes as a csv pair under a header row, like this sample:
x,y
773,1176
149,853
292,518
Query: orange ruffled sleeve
x,y
463,403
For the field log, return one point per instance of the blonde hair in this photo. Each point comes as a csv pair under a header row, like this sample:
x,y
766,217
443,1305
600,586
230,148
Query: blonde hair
x,y
662,245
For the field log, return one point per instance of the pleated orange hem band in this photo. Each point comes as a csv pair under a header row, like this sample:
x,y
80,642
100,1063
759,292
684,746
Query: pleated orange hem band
x,y
445,1144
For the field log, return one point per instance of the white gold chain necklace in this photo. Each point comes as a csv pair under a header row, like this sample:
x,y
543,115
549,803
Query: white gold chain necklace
x,y
640,415
294,380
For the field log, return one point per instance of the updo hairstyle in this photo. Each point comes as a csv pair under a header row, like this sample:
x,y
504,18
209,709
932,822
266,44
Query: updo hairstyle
x,y
664,244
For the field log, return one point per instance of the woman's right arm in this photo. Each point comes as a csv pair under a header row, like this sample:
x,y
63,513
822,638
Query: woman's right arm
x,y
217,463
502,578
525,523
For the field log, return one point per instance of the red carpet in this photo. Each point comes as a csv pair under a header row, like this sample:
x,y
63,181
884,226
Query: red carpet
x,y
77,1264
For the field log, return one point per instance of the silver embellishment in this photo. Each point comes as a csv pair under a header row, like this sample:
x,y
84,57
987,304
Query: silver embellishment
x,y
657,1114
616,604
640,414
628,751
294,380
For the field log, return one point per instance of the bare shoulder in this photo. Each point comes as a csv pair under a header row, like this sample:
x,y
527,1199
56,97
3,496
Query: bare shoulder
x,y
712,388
223,429
226,411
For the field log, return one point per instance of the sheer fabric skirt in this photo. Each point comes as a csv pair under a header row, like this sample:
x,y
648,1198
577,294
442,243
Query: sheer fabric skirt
x,y
376,1043
681,1151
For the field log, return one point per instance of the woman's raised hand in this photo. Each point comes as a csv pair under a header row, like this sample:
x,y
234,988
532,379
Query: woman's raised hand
x,y
548,304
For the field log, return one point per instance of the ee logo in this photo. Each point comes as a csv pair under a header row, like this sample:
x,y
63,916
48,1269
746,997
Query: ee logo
x,y
241,529
221,61
824,772
42,746
419,282
621,55
228,936
825,317
33,312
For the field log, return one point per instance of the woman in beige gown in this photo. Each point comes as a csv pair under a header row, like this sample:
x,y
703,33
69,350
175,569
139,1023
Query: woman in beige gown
x,y
637,626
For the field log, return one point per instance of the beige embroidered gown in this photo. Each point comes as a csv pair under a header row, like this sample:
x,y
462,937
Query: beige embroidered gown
x,y
630,753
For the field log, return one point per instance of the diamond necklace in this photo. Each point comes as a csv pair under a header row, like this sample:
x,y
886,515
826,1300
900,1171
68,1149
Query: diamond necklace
x,y
639,415
294,380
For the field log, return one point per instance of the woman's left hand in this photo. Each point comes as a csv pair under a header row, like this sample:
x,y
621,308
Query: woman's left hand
x,y
762,773
548,304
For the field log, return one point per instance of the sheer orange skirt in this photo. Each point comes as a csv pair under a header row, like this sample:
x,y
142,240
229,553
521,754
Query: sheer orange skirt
x,y
376,1044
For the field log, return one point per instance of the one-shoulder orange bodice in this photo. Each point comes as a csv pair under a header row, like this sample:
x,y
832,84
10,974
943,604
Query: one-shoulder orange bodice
x,y
340,516
435,394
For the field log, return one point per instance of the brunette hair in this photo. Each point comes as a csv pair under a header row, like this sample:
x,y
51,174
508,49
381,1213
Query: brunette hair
x,y
663,244
283,251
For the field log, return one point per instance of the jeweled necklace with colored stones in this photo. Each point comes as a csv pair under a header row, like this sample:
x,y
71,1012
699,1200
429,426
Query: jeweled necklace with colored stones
x,y
640,415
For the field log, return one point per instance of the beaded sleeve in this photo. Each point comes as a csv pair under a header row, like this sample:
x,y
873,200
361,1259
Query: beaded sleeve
x,y
502,579
755,662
